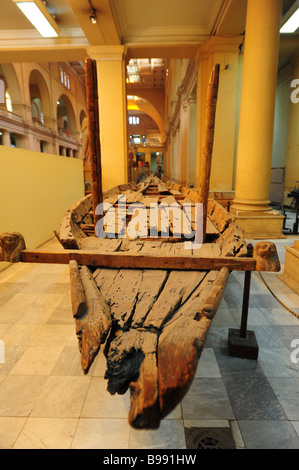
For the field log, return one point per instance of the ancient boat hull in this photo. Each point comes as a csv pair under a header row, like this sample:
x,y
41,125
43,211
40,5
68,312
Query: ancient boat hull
x,y
149,301
152,323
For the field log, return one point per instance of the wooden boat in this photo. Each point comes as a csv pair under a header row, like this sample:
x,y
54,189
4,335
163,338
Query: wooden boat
x,y
148,301
153,323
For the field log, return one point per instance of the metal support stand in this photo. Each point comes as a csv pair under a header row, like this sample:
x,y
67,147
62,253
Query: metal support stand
x,y
242,343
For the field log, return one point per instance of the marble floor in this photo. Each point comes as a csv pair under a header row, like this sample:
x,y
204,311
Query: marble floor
x,y
46,402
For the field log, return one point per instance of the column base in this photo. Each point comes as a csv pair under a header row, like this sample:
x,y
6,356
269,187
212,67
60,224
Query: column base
x,y
259,225
290,276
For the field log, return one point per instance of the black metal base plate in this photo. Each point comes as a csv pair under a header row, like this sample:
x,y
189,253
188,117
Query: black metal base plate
x,y
246,348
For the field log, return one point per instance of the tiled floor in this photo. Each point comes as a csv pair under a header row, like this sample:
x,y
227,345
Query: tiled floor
x,y
47,402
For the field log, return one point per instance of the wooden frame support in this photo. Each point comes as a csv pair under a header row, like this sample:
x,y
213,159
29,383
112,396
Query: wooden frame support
x,y
241,343
123,260
206,163
94,134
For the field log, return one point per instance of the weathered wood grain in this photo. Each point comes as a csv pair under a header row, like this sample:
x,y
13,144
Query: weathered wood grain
x,y
144,410
150,287
208,141
182,340
79,303
104,279
232,242
137,261
70,233
92,103
93,325
123,295
175,292
125,355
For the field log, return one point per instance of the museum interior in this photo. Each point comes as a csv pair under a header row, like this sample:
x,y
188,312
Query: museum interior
x,y
141,124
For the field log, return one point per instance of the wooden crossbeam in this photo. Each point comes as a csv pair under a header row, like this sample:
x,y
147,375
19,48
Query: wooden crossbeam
x,y
139,261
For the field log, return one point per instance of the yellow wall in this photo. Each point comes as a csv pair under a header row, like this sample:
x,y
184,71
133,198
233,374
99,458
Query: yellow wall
x,y
292,155
225,126
282,116
36,189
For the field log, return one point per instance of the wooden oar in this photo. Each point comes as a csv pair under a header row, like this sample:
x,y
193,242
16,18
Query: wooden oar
x,y
206,160
94,134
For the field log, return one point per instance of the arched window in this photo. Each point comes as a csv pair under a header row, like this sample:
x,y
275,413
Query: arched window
x,y
66,119
36,109
39,97
134,120
65,79
2,91
8,101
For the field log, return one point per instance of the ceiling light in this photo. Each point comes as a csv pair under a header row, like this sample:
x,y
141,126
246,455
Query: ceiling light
x,y
39,16
292,24
291,19
93,17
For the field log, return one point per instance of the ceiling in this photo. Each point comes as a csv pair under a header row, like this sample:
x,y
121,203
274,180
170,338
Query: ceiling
x,y
135,23
13,19
155,28
146,73
170,21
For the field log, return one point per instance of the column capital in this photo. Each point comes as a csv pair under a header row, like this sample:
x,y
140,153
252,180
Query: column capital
x,y
216,44
114,52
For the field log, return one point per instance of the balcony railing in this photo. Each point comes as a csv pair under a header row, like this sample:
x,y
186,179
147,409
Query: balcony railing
x,y
11,116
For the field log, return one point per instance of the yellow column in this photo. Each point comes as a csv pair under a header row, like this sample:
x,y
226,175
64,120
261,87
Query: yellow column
x,y
254,153
292,158
112,110
225,52
6,139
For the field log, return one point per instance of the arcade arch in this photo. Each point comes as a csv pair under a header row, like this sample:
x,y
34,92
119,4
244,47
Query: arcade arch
x,y
39,99
13,95
141,106
66,119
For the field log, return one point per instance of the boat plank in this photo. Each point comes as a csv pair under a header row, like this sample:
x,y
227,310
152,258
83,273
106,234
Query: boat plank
x,y
78,299
122,295
138,261
145,411
93,327
104,279
151,285
179,285
182,340
211,250
148,200
131,246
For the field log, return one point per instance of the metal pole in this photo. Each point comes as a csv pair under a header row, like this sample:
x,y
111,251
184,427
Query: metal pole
x,y
245,305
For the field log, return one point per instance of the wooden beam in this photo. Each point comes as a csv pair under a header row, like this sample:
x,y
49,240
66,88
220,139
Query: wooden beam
x,y
124,260
206,162
94,133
